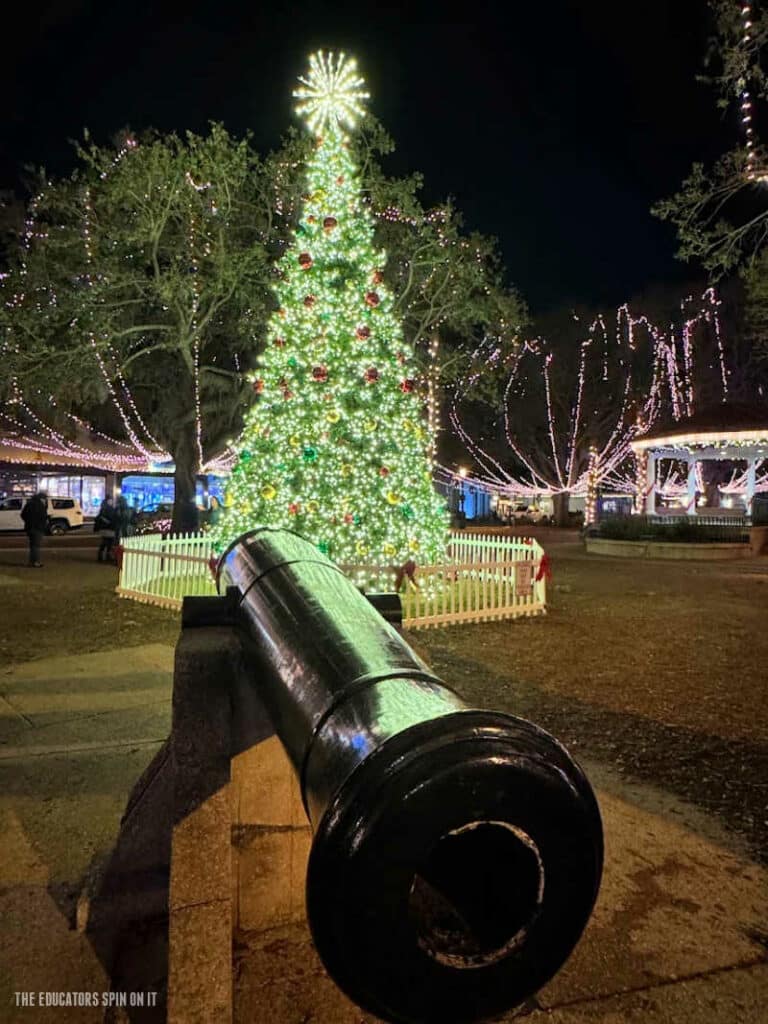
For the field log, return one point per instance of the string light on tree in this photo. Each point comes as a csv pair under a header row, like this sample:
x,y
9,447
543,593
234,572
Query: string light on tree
x,y
745,98
558,459
337,445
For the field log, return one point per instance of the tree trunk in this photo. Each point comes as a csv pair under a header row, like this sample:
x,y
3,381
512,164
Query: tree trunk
x,y
185,456
560,508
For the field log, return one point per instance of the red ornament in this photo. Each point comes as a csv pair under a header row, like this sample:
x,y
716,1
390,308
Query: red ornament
x,y
305,260
293,508
383,471
348,518
279,342
258,386
320,373
363,332
407,385
309,301
329,223
377,276
371,374
340,180
281,313
311,218
372,299
287,394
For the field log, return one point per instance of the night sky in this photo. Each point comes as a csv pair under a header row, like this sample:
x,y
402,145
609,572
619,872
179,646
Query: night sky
x,y
554,124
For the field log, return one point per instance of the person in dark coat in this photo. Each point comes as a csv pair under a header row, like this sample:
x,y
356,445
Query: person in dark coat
x,y
35,517
105,524
122,519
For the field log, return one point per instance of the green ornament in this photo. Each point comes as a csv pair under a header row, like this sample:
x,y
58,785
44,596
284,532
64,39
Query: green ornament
x,y
357,520
407,511
245,455
323,547
309,454
325,317
293,362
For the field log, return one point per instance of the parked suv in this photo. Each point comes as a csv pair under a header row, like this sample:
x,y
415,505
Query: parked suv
x,y
524,513
63,514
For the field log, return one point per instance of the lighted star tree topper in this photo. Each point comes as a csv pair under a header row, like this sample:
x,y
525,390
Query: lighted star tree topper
x,y
336,446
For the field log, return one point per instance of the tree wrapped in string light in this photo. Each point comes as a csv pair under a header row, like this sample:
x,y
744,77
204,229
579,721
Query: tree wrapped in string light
x,y
571,406
336,446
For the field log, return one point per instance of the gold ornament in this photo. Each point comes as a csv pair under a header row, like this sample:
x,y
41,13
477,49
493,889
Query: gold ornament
x,y
413,545
370,426
268,492
392,498
346,470
389,550
361,549
312,507
294,441
333,415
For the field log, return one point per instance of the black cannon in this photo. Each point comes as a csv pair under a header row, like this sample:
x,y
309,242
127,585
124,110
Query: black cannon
x,y
457,852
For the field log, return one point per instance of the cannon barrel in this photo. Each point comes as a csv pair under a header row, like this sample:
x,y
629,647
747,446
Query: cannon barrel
x,y
456,852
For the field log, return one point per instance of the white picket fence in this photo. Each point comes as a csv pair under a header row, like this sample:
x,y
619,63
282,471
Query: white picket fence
x,y
483,577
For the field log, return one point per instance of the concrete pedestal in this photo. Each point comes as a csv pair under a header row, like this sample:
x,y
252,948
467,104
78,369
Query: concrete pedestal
x,y
679,923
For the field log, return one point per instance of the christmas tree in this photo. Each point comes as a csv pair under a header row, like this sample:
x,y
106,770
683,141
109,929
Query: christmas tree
x,y
336,445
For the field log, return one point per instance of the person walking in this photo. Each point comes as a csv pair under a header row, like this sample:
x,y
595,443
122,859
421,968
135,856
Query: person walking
x,y
35,517
105,525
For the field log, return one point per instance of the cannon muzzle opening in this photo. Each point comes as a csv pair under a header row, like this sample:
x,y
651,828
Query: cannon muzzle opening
x,y
457,853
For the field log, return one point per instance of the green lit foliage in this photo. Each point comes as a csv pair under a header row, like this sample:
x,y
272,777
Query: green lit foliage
x,y
336,445
152,269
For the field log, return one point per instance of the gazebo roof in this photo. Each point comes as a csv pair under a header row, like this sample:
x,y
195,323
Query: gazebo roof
x,y
723,424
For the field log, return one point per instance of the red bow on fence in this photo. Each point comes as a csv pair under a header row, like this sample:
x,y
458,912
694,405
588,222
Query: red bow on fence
x,y
545,569
119,556
213,564
407,571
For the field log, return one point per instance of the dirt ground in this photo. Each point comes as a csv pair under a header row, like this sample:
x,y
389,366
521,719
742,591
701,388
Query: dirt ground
x,y
656,669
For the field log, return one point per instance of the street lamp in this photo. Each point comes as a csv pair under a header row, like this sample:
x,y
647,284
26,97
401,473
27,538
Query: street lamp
x,y
462,475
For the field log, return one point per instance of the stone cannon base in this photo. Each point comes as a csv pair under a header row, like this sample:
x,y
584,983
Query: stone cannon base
x,y
679,924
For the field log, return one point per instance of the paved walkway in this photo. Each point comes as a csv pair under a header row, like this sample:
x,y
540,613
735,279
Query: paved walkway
x,y
75,734
677,937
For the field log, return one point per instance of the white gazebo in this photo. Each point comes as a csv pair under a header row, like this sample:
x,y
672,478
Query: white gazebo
x,y
722,432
